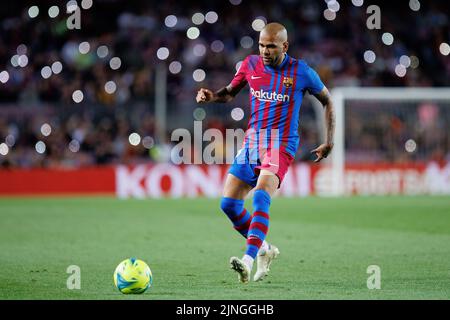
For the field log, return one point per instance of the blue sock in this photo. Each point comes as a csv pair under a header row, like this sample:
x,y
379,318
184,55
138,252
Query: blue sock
x,y
236,212
260,222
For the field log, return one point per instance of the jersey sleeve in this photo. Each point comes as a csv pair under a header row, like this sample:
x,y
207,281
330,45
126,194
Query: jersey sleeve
x,y
239,79
314,85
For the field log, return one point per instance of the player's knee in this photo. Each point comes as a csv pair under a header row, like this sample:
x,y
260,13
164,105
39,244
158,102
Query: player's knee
x,y
231,206
267,181
264,188
261,200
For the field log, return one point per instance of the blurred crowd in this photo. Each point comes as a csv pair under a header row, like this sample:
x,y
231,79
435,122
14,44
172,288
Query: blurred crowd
x,y
102,88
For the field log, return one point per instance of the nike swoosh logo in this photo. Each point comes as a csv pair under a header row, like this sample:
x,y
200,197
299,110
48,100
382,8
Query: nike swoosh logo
x,y
273,164
253,77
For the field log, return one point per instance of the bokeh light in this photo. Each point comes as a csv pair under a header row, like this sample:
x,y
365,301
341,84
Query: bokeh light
x,y
46,129
102,51
74,146
57,67
148,142
115,63
110,87
15,60
40,147
400,70
387,38
237,114
77,96
162,53
84,47
258,24
193,33
246,42
217,46
414,5
46,72
21,49
199,75
410,145
198,18
369,56
357,3
405,61
86,4
199,114
4,76
333,5
329,15
414,62
211,17
175,67
71,6
170,21
199,50
33,11
22,61
444,48
53,11
134,139
4,149
10,140
238,65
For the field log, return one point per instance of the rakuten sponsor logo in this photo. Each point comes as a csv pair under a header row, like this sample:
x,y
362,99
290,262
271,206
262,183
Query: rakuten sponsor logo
x,y
262,95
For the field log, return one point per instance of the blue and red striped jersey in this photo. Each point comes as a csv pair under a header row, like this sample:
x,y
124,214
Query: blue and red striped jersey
x,y
276,94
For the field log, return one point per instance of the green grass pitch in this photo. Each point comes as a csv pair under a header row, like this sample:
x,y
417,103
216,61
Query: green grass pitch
x,y
326,246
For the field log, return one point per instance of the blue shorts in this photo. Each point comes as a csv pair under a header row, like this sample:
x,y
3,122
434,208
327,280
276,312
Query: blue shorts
x,y
244,166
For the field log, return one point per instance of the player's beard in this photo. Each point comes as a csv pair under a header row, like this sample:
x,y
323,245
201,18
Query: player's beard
x,y
269,61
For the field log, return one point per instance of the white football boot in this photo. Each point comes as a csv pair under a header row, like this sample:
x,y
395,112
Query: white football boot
x,y
263,260
241,268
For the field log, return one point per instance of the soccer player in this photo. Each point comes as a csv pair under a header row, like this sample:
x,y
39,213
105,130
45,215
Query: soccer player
x,y
277,85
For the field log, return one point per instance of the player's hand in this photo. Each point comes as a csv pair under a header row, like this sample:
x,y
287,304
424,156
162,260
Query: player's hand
x,y
204,95
322,151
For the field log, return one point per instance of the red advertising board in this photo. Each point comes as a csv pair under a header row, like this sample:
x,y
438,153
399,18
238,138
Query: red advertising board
x,y
83,181
166,180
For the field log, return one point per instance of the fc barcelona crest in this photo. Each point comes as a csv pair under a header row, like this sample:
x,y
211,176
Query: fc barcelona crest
x,y
288,82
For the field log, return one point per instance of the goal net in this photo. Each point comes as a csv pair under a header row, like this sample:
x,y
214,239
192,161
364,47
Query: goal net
x,y
389,141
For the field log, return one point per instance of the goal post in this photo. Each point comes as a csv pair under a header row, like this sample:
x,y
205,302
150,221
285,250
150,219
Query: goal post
x,y
406,104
